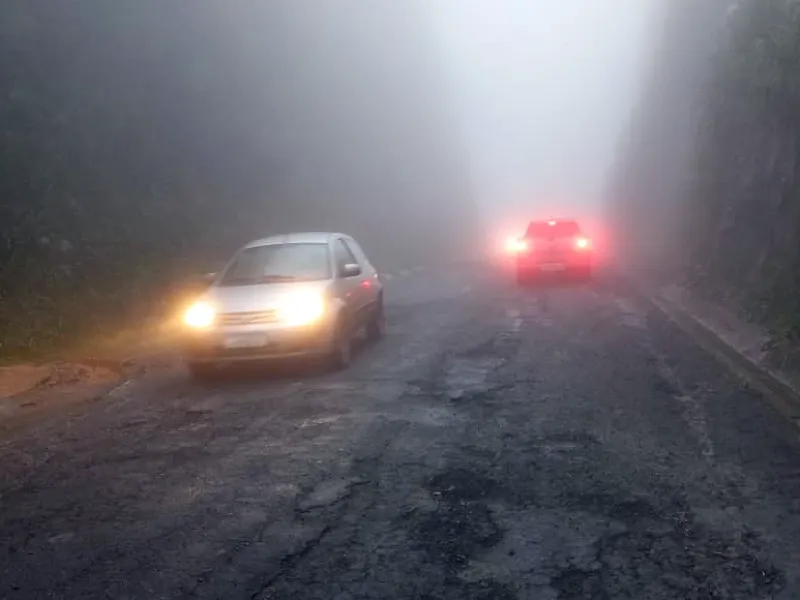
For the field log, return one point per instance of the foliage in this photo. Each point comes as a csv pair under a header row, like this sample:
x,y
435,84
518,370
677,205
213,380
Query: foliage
x,y
740,209
100,163
142,140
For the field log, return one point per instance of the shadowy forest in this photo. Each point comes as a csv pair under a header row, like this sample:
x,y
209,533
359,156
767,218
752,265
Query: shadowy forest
x,y
706,188
144,141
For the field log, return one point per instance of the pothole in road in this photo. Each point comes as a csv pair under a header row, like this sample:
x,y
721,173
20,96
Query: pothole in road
x,y
578,438
319,421
431,417
566,442
654,548
573,554
488,589
619,509
455,532
578,534
676,565
467,377
470,373
456,522
486,349
457,485
327,493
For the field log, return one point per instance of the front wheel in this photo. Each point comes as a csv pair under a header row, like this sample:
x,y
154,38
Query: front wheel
x,y
202,371
341,351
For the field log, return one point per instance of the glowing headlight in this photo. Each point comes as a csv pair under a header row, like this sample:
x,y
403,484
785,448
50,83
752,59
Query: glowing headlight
x,y
199,315
515,245
301,309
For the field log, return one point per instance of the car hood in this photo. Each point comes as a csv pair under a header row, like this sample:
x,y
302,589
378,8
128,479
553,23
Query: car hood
x,y
266,296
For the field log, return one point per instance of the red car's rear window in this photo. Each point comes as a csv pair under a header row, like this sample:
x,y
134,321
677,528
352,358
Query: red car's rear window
x,y
543,229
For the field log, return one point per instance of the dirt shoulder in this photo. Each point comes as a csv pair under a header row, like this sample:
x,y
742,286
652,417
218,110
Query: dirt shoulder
x,y
27,390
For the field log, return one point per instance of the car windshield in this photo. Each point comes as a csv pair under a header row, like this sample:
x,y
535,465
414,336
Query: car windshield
x,y
545,230
272,263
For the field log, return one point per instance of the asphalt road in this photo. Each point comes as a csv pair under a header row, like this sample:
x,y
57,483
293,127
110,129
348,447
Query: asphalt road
x,y
562,441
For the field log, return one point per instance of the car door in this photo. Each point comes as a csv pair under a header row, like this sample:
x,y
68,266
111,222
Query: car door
x,y
371,276
369,282
347,287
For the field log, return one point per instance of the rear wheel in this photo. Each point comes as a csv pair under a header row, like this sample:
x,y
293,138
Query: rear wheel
x,y
583,273
376,328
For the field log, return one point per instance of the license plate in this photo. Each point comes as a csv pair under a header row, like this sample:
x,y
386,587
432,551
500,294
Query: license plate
x,y
552,267
246,340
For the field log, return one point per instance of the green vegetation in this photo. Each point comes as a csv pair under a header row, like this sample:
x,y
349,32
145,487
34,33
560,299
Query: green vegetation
x,y
104,192
736,206
145,139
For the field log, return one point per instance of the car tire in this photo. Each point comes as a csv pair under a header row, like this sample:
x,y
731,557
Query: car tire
x,y
202,371
376,328
341,352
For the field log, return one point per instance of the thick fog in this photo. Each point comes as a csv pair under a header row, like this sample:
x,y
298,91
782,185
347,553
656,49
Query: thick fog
x,y
144,140
544,90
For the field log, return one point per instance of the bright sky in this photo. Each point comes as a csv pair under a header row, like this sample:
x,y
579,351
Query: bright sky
x,y
544,88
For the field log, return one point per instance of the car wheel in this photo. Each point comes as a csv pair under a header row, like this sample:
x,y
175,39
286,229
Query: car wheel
x,y
376,329
202,371
341,351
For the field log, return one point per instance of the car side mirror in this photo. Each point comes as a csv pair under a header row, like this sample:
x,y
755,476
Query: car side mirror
x,y
351,270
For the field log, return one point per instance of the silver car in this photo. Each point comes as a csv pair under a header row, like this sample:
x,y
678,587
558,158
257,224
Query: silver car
x,y
291,296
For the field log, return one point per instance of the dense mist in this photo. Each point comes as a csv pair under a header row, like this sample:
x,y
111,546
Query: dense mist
x,y
143,141
544,92
555,353
657,156
704,191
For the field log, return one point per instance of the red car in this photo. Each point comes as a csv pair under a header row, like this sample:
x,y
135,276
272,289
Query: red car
x,y
553,246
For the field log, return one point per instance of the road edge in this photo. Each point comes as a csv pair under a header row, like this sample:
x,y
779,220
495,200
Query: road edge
x,y
135,356
779,393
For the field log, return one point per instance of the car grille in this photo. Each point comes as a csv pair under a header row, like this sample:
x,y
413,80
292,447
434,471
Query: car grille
x,y
249,318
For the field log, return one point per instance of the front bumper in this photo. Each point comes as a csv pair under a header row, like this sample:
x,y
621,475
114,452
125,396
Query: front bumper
x,y
241,344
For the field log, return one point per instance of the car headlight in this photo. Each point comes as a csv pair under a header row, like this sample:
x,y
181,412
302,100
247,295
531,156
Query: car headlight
x,y
199,315
301,309
516,245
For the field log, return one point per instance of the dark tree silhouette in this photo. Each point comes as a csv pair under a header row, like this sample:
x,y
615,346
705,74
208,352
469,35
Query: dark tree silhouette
x,y
143,139
709,176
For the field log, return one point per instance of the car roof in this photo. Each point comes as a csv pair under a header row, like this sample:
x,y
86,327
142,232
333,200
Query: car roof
x,y
308,237
557,220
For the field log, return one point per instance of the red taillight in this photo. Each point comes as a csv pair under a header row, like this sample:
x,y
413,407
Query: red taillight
x,y
582,243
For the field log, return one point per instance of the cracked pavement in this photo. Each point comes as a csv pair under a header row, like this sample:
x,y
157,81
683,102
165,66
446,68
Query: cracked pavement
x,y
562,441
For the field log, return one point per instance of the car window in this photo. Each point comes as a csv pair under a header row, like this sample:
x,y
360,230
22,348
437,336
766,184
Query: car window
x,y
545,230
342,255
359,253
278,262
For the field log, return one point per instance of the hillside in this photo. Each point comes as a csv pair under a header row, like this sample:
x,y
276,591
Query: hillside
x,y
705,193
142,140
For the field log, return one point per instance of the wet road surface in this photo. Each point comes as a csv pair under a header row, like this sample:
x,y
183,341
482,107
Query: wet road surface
x,y
553,442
